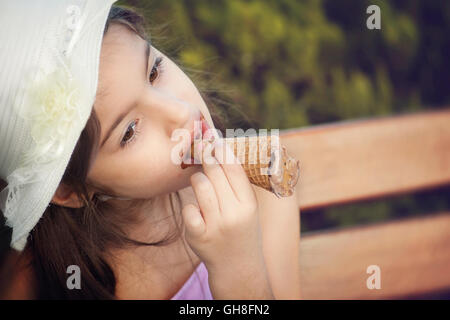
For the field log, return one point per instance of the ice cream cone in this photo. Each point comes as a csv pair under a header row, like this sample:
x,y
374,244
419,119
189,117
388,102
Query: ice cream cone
x,y
265,161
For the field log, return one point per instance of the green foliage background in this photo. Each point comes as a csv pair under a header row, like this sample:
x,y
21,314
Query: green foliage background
x,y
290,63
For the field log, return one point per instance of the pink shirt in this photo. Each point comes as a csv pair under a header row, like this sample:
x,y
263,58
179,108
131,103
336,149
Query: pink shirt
x,y
196,287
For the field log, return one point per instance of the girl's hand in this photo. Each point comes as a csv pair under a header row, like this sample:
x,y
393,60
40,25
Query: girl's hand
x,y
224,231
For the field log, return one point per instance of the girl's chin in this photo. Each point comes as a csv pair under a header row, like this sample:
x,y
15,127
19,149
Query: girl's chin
x,y
180,180
189,171
185,175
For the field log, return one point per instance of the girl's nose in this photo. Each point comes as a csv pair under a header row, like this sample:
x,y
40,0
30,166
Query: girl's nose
x,y
171,111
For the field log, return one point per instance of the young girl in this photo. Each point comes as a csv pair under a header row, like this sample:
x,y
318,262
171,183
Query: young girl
x,y
137,225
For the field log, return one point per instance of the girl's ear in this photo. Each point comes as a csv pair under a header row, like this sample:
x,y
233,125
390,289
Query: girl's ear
x,y
66,197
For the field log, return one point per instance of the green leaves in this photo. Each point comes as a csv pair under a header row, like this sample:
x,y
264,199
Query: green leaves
x,y
289,63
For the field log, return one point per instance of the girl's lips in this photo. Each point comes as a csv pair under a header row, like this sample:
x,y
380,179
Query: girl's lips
x,y
197,135
203,133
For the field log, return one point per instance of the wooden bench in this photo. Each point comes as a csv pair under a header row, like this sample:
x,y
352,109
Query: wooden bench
x,y
366,159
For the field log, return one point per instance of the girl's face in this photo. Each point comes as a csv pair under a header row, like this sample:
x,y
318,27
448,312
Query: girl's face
x,y
142,98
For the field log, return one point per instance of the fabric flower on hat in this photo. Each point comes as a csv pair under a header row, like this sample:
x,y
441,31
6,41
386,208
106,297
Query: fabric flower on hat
x,y
52,112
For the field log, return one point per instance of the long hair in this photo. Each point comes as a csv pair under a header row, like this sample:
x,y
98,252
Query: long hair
x,y
82,236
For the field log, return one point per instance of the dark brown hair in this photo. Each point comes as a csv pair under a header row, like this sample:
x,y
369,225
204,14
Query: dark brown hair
x,y
81,236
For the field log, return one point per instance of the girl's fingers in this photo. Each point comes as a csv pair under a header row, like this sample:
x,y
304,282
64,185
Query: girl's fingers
x,y
193,220
206,197
234,172
216,175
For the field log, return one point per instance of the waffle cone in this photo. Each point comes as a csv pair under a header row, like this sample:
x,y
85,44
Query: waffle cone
x,y
254,158
266,163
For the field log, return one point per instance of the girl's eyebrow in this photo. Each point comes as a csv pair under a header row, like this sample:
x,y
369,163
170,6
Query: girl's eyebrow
x,y
127,110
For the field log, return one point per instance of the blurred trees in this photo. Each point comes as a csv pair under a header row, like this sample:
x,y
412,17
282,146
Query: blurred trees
x,y
290,63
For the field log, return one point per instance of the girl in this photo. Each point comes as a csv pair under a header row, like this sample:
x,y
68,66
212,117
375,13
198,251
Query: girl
x,y
138,226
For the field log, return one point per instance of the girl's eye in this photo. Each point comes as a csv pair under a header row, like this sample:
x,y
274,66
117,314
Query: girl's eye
x,y
130,135
156,70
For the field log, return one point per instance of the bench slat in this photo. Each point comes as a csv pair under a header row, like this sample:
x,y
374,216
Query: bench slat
x,y
413,256
370,158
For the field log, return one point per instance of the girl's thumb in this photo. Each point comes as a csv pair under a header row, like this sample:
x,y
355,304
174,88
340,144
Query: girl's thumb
x,y
193,220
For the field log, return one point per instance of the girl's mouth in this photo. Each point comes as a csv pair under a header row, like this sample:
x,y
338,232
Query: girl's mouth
x,y
200,132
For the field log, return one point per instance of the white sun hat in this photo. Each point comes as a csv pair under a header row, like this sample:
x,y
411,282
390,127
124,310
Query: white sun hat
x,y
49,62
